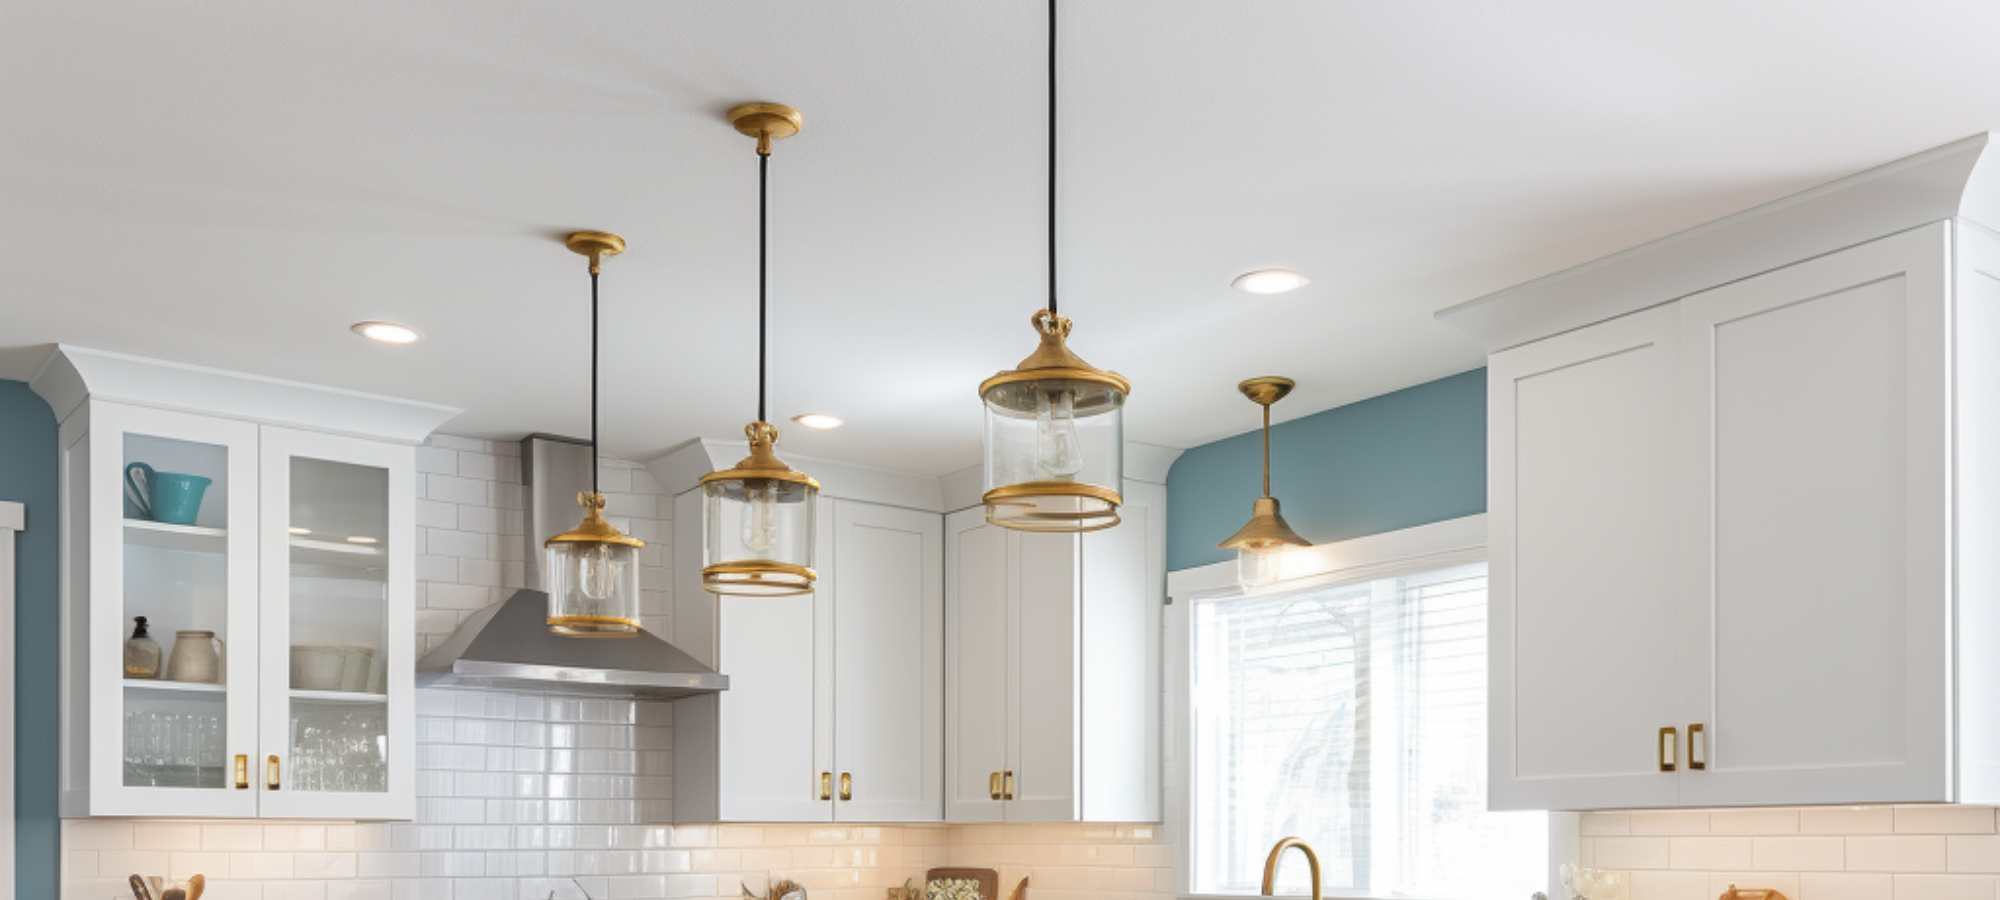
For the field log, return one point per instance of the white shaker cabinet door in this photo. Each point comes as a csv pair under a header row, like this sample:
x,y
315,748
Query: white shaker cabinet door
x,y
888,599
1818,519
761,751
978,570
1044,709
1585,630
771,721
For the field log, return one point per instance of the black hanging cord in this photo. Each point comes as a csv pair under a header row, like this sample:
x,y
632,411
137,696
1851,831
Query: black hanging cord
x,y
763,182
1052,157
593,379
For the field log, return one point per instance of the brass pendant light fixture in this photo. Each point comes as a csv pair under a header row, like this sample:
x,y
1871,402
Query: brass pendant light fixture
x,y
1259,544
759,515
593,569
1055,429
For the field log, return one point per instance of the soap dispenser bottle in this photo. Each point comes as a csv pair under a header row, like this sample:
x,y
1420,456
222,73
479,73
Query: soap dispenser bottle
x,y
142,653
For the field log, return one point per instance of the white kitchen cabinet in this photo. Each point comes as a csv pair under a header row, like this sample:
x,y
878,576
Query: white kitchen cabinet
x,y
1758,516
299,538
1817,526
835,706
888,663
1052,678
1585,667
338,569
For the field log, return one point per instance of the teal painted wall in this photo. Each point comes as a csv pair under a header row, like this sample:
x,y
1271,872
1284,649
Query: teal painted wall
x,y
1400,460
28,475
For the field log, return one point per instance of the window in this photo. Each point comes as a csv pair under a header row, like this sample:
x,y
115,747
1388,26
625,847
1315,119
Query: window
x,y
1352,715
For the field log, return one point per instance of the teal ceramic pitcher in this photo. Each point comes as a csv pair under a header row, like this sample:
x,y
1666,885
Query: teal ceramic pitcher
x,y
164,496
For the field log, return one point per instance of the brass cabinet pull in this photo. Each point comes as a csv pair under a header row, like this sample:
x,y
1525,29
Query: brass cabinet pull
x,y
1007,784
993,784
1697,747
271,772
846,786
1669,742
242,771
826,785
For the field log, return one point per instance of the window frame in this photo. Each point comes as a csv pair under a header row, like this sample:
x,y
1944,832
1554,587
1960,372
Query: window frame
x,y
1438,545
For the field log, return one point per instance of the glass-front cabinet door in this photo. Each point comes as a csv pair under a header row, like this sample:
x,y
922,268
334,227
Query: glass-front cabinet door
x,y
337,579
169,637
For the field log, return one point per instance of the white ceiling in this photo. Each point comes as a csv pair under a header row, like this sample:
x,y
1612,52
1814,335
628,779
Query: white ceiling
x,y
233,183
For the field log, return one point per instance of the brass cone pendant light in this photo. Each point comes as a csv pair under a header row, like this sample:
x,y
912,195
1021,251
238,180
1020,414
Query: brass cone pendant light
x,y
1261,543
1055,429
593,569
759,515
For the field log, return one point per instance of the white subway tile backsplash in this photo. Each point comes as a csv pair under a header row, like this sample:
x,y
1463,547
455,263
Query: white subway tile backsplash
x,y
1946,887
1711,853
1847,820
1799,854
1631,852
452,489
1670,822
1896,854
232,837
1944,820
1972,853
1597,823
1753,821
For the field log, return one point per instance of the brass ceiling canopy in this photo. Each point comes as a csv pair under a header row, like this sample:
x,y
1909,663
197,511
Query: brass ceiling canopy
x,y
1267,533
595,244
1267,390
766,122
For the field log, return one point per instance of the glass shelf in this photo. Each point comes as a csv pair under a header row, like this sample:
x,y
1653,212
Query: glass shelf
x,y
175,687
340,697
182,538
334,554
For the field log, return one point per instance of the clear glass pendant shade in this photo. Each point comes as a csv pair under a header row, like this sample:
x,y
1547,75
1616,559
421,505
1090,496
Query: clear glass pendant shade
x,y
1055,440
593,577
1257,567
759,524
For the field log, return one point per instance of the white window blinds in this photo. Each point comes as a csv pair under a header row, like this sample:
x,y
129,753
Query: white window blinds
x,y
1353,716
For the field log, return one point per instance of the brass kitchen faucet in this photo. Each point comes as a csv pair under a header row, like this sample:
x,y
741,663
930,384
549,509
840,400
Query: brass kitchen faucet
x,y
1271,864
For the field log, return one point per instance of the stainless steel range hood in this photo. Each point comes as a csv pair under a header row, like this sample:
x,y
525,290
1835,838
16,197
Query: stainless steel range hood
x,y
508,645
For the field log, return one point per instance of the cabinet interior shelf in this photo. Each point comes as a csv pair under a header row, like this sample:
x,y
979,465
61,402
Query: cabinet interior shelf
x,y
340,697
168,536
205,539
335,554
175,687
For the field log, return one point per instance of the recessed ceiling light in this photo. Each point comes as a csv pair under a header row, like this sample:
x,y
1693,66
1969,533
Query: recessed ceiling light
x,y
387,332
1269,281
361,539
817,420
297,530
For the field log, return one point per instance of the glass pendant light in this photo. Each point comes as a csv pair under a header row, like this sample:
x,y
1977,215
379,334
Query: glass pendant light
x,y
593,569
1260,544
759,514
1055,429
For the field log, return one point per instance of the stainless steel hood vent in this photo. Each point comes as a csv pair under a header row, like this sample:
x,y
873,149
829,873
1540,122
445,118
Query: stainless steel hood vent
x,y
508,646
